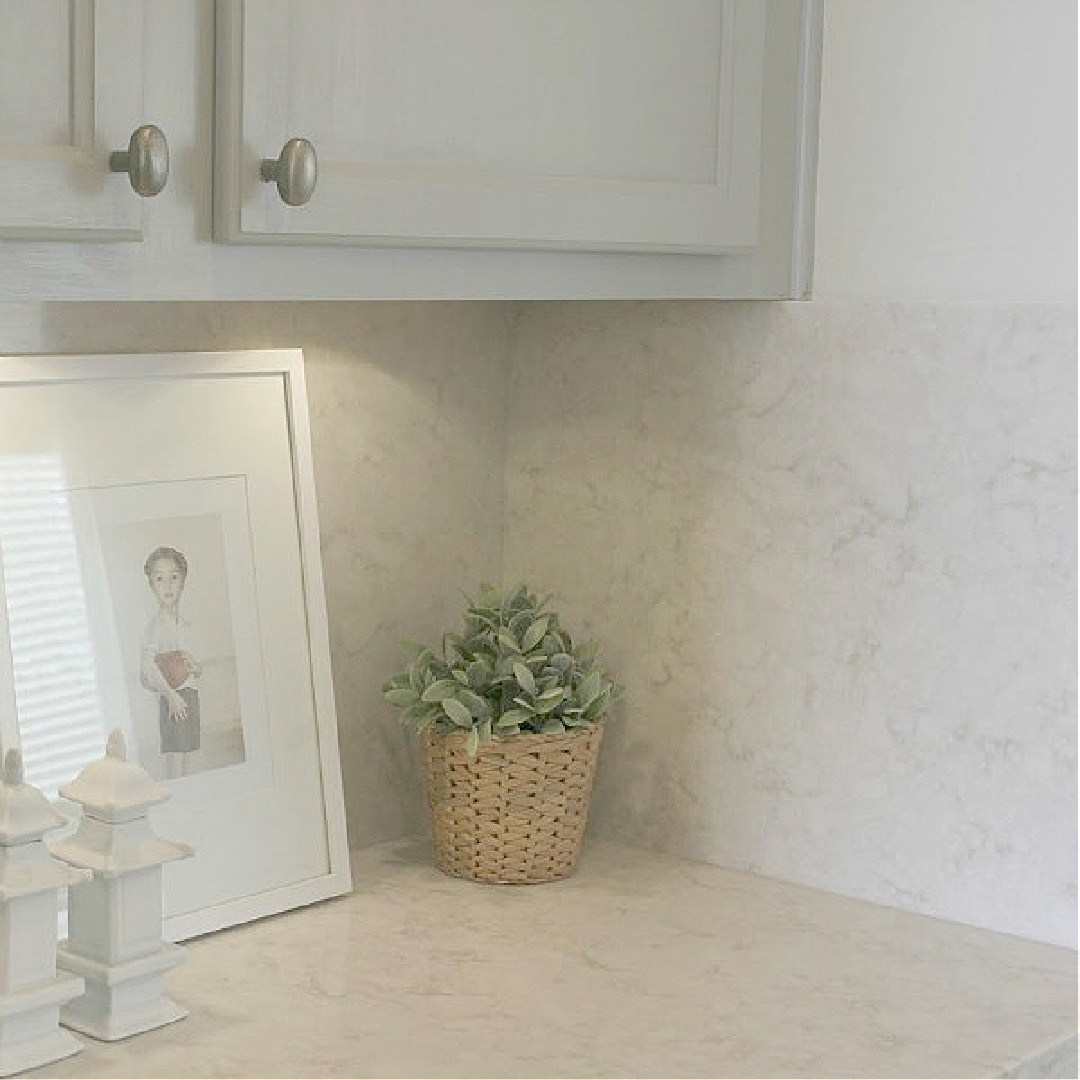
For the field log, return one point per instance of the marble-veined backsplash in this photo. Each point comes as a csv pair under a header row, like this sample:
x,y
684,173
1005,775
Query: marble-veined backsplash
x,y
831,550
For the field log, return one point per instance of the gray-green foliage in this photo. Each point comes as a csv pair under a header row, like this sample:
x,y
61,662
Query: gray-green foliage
x,y
512,669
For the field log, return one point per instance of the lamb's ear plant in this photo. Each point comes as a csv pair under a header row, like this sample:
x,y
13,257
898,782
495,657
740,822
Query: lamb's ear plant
x,y
512,669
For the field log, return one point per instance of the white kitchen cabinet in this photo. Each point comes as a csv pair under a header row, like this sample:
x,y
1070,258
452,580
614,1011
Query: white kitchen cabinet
x,y
466,149
71,90
598,125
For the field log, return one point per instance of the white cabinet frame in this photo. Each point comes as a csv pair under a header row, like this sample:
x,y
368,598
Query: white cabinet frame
x,y
360,202
63,189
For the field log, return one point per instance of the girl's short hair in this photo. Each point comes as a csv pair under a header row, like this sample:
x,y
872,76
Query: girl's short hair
x,y
172,554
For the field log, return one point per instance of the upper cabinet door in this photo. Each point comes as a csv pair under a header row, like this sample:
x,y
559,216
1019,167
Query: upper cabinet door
x,y
71,91
580,125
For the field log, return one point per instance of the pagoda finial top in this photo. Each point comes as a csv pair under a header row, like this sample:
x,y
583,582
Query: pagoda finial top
x,y
13,767
25,813
116,747
113,788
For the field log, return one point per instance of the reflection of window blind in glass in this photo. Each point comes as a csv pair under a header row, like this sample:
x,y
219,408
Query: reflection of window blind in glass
x,y
60,718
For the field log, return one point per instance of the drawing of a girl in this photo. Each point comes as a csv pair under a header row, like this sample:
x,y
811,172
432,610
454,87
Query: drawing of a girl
x,y
167,665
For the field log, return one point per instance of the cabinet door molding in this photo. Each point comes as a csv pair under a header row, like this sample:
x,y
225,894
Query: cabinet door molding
x,y
71,91
607,125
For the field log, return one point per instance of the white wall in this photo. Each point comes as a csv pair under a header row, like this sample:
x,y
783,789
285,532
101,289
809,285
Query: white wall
x,y
947,164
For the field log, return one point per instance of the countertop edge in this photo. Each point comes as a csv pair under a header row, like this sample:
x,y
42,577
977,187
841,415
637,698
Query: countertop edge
x,y
1058,1061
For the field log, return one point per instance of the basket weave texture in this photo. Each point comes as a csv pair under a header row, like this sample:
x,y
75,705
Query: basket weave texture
x,y
516,812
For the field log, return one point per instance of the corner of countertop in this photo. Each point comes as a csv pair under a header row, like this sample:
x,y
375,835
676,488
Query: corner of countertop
x,y
1058,1061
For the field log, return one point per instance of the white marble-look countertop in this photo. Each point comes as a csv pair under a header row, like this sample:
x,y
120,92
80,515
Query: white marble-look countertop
x,y
641,965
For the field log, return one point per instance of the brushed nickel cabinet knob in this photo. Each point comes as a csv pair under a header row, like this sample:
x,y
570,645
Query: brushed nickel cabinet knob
x,y
294,170
146,160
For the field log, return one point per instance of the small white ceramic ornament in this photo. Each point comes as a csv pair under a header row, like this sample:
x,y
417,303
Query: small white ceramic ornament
x,y
32,992
114,920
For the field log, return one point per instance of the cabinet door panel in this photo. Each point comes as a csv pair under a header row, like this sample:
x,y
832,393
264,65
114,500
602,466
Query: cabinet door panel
x,y
574,124
71,88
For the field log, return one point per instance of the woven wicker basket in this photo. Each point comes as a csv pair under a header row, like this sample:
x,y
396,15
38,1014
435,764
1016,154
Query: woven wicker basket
x,y
516,812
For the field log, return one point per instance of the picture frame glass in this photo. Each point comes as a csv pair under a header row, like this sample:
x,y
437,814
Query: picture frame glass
x,y
160,574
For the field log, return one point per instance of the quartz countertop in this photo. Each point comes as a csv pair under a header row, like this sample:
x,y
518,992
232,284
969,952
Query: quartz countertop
x,y
640,965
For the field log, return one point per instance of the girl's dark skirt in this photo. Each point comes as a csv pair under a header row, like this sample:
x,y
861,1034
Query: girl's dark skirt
x,y
180,736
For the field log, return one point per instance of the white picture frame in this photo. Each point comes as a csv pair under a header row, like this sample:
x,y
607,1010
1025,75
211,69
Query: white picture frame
x,y
114,470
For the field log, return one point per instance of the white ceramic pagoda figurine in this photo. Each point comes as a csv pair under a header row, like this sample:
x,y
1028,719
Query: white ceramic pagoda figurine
x,y
115,919
31,990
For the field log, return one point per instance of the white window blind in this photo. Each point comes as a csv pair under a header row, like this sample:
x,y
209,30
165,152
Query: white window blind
x,y
59,714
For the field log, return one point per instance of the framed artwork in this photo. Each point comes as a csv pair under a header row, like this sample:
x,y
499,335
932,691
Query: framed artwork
x,y
160,573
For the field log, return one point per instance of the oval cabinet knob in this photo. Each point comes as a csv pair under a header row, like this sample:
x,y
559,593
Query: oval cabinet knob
x,y
146,160
294,170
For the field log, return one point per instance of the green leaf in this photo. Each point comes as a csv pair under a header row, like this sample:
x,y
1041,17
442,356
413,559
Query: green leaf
x,y
460,676
588,688
457,712
511,718
474,703
586,654
596,707
506,640
440,689
472,742
546,702
402,696
479,673
535,634
525,678
490,595
553,727
485,730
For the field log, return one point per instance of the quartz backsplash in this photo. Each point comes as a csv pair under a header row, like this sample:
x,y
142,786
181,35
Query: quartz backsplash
x,y
831,548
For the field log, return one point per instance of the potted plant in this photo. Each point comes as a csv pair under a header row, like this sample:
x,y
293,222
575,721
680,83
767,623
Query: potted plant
x,y
510,714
